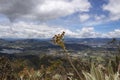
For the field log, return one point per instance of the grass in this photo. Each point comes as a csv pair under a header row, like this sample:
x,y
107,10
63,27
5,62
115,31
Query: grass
x,y
57,69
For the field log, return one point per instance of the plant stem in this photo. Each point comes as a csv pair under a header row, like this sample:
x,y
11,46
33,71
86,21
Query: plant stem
x,y
71,63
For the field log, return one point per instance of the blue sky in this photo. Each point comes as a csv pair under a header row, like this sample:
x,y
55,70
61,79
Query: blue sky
x,y
44,18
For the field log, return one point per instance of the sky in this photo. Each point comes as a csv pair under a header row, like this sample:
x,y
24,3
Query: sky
x,y
45,18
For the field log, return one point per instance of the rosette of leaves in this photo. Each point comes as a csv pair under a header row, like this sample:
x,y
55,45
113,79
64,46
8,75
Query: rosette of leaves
x,y
96,73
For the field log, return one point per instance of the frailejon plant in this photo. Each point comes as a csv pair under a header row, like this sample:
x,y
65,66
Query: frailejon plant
x,y
96,73
58,40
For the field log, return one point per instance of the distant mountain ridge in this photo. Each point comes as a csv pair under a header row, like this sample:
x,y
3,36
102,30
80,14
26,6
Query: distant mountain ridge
x,y
42,46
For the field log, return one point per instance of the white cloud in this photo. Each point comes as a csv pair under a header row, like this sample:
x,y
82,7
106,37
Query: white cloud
x,y
30,30
87,32
42,9
115,33
100,17
113,7
27,30
84,17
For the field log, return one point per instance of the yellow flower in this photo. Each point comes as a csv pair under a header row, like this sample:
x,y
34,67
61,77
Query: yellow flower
x,y
58,40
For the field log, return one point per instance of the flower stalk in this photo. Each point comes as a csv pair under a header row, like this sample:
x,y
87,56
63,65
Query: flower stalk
x,y
58,40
